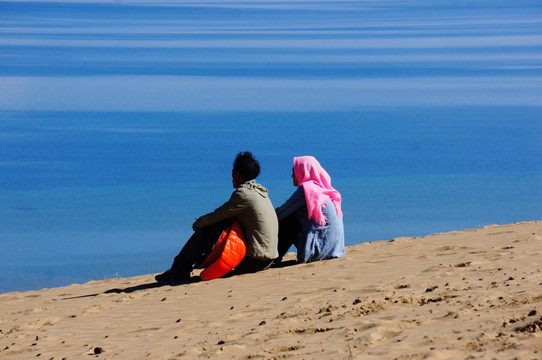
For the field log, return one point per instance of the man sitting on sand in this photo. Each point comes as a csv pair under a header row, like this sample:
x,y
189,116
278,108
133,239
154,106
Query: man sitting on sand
x,y
250,205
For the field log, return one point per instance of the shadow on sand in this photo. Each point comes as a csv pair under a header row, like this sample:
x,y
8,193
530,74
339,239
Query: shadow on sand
x,y
131,289
154,285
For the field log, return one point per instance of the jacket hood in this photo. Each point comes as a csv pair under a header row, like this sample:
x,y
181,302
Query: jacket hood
x,y
253,185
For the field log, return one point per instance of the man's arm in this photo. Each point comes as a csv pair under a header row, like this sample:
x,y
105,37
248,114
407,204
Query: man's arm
x,y
235,205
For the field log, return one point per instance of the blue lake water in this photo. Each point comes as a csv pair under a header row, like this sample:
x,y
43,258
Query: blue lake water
x,y
119,121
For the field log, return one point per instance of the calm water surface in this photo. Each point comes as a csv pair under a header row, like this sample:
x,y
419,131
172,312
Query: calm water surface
x,y
119,121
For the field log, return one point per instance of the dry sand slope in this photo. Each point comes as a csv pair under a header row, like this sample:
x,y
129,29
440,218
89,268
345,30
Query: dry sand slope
x,y
467,294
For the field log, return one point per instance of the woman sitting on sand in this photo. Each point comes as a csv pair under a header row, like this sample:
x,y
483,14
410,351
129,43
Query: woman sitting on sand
x,y
311,219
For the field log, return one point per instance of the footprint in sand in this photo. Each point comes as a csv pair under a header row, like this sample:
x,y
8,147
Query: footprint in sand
x,y
43,322
230,349
384,336
94,309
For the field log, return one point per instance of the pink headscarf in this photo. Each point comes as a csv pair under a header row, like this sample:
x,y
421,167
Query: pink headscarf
x,y
316,183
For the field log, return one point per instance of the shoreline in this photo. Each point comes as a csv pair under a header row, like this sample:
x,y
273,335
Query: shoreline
x,y
475,292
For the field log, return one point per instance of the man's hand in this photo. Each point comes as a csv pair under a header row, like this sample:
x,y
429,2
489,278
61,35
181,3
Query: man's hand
x,y
194,227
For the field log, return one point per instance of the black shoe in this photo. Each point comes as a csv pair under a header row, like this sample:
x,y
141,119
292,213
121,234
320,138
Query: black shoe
x,y
169,278
164,277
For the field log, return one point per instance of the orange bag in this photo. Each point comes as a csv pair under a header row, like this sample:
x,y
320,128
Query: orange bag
x,y
227,253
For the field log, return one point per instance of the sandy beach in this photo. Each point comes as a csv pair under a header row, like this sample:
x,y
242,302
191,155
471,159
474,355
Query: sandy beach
x,y
459,295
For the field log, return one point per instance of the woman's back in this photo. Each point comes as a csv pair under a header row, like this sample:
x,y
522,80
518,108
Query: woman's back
x,y
320,242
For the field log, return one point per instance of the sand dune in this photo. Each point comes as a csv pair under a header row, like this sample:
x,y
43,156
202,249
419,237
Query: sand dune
x,y
466,294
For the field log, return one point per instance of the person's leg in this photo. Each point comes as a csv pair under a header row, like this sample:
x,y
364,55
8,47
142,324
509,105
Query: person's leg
x,y
194,252
250,265
289,229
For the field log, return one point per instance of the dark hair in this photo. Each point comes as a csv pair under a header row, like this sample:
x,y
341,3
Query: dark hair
x,y
248,167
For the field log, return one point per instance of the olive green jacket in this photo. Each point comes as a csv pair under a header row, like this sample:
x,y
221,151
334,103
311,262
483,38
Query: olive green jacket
x,y
251,207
